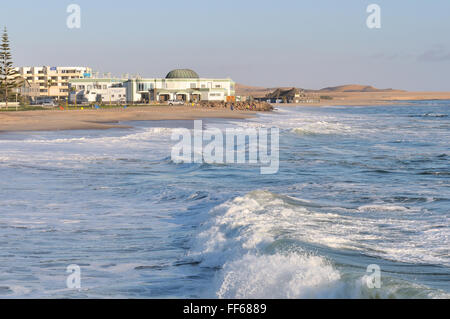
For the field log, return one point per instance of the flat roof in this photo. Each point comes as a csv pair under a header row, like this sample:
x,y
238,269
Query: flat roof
x,y
96,80
181,79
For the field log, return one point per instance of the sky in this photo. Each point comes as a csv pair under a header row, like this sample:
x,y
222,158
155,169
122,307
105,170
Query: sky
x,y
304,43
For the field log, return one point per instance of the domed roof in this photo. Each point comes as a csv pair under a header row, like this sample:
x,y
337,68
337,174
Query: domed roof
x,y
182,74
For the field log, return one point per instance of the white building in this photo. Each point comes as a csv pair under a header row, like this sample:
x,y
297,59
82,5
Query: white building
x,y
106,91
181,84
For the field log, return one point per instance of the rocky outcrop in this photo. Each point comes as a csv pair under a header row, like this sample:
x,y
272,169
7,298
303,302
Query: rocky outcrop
x,y
241,106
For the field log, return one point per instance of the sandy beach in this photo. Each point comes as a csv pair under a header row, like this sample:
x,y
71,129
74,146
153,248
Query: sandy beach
x,y
49,120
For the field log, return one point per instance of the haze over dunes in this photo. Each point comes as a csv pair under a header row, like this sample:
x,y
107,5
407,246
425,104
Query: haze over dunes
x,y
354,88
258,91
351,94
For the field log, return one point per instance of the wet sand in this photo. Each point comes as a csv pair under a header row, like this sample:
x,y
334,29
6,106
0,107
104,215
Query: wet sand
x,y
52,120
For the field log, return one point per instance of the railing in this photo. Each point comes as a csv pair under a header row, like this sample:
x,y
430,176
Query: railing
x,y
10,104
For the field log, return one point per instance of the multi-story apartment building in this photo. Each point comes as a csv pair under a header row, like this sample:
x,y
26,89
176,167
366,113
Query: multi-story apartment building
x,y
53,81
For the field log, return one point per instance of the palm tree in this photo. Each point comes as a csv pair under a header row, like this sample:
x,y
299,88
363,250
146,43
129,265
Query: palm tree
x,y
49,85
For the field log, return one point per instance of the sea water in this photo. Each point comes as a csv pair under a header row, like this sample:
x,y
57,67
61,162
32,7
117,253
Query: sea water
x,y
356,186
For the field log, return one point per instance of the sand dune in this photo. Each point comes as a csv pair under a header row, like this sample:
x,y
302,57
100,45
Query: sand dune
x,y
355,88
352,94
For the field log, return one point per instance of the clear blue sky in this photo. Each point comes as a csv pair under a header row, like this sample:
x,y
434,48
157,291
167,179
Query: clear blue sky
x,y
310,43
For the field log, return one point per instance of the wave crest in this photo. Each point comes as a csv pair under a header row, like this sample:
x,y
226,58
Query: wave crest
x,y
257,244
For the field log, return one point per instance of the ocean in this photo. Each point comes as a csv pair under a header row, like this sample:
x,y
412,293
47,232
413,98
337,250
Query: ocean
x,y
357,188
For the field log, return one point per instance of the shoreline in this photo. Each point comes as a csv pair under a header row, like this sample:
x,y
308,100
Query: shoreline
x,y
108,118
339,96
89,119
377,98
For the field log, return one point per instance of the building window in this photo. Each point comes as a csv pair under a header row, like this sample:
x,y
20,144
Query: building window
x,y
193,85
218,86
142,86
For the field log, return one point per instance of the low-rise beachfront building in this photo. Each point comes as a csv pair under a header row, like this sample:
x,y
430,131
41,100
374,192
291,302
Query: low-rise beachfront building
x,y
181,84
293,95
108,91
52,81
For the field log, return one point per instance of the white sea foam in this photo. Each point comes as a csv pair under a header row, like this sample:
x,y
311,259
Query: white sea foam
x,y
150,144
147,134
144,135
280,276
243,239
298,123
322,127
19,290
385,208
264,215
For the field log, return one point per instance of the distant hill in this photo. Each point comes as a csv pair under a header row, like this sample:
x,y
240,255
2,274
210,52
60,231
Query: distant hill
x,y
258,91
355,88
246,90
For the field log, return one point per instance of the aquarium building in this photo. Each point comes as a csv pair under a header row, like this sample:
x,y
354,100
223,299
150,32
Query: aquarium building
x,y
181,84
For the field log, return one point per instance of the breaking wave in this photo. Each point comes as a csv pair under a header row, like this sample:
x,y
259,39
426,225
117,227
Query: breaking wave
x,y
139,136
322,128
256,242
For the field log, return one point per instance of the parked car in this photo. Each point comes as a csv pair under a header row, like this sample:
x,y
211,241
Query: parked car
x,y
175,102
49,103
44,103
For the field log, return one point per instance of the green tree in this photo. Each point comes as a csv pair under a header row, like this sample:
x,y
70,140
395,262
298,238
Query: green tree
x,y
8,74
